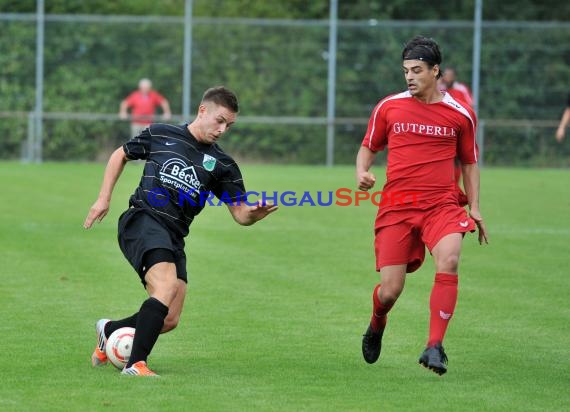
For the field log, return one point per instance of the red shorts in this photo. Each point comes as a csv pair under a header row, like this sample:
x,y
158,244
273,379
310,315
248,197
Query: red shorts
x,y
401,236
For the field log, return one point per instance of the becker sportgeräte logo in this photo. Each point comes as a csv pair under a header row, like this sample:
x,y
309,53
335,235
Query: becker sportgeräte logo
x,y
176,173
209,162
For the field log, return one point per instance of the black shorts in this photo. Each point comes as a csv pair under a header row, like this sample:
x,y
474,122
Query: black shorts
x,y
139,233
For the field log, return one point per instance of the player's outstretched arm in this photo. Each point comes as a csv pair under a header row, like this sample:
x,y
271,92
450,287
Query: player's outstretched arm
x,y
471,185
364,160
247,215
113,170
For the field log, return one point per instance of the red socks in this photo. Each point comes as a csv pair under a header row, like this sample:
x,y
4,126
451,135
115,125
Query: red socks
x,y
379,311
442,304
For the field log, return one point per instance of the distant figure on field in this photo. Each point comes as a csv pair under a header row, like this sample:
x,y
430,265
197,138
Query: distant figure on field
x,y
563,122
457,90
143,103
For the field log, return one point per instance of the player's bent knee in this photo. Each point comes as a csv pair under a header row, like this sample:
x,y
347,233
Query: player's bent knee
x,y
165,291
389,295
169,289
448,264
162,282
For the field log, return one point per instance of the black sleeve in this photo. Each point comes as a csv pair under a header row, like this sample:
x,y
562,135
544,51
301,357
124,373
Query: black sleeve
x,y
139,146
230,187
568,101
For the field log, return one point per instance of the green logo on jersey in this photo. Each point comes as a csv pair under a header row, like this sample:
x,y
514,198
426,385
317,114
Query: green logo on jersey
x,y
209,162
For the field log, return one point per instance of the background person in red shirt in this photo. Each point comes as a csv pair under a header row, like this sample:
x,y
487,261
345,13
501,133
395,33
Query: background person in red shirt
x,y
457,90
143,103
424,131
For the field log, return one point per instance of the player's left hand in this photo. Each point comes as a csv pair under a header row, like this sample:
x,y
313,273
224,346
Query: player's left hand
x,y
476,216
261,210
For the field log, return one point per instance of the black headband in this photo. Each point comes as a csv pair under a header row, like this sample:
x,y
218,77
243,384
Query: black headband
x,y
422,55
418,56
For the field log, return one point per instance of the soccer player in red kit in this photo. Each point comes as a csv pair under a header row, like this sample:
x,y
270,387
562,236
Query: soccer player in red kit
x,y
424,130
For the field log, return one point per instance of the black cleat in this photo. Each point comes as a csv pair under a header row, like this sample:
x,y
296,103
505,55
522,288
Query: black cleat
x,y
435,359
371,345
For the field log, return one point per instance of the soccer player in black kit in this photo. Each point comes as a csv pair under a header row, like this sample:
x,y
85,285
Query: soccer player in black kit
x,y
184,168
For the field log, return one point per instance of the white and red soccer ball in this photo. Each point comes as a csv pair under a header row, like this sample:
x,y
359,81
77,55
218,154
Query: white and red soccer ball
x,y
119,346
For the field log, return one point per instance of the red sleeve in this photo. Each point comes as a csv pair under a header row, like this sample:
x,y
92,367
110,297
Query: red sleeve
x,y
467,149
375,138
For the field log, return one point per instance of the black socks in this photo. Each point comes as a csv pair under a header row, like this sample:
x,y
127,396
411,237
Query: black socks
x,y
130,322
149,322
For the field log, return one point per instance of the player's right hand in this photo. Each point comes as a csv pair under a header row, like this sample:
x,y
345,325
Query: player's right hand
x,y
365,180
97,212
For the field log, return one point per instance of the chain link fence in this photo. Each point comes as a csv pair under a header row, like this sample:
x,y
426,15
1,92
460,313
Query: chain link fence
x,y
279,70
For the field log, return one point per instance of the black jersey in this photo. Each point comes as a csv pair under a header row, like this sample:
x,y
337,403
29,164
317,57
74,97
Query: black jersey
x,y
181,175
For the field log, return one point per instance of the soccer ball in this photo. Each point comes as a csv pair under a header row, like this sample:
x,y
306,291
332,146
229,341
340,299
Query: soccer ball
x,y
119,346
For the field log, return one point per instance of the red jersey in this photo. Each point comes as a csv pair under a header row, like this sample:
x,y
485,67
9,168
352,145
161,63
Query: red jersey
x,y
143,106
423,141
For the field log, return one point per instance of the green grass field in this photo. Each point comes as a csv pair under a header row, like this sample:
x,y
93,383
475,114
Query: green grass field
x,y
275,312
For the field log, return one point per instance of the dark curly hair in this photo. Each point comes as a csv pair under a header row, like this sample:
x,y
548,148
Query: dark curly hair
x,y
424,49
